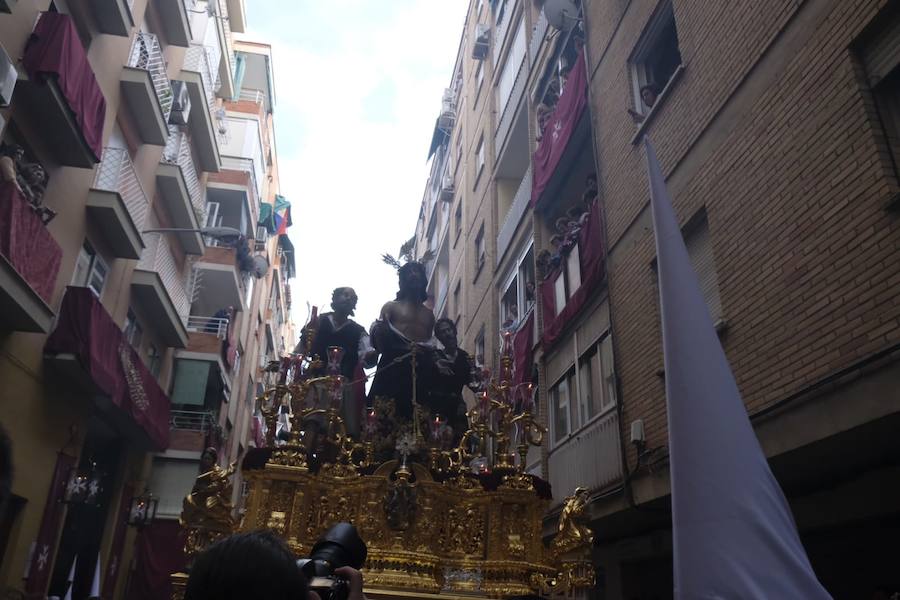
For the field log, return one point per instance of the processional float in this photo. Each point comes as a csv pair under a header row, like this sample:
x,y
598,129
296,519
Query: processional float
x,y
460,522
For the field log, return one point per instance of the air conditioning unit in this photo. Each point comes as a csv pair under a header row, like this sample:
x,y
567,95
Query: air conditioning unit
x,y
181,103
8,77
482,41
448,115
262,236
447,188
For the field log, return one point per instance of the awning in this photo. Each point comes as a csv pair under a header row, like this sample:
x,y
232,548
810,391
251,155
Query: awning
x,y
54,50
130,396
437,138
559,129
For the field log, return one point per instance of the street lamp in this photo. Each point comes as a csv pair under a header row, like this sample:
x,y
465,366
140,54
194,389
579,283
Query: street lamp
x,y
142,511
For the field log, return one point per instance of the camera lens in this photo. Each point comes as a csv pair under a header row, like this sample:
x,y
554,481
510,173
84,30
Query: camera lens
x,y
341,546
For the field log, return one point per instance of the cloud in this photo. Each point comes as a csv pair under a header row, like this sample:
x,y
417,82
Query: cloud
x,y
358,85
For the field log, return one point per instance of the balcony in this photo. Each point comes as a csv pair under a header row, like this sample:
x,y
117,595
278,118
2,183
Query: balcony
x,y
514,216
179,189
158,285
239,174
189,429
226,45
147,89
29,264
117,203
113,16
199,72
61,97
220,285
597,452
89,351
176,20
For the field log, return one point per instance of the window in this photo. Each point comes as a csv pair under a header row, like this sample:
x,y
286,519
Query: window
x,y
587,390
133,331
479,250
596,381
511,67
457,298
479,158
479,79
479,348
154,360
655,59
699,247
518,294
457,221
90,270
248,285
458,149
559,406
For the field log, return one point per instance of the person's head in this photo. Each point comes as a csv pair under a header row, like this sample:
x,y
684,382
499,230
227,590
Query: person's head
x,y
257,564
343,300
591,182
413,282
556,241
562,225
649,94
445,332
208,459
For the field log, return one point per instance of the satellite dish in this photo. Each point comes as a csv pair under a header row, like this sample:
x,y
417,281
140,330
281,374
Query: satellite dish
x,y
561,14
260,266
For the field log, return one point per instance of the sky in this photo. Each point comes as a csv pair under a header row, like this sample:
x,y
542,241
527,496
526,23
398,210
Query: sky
x,y
358,85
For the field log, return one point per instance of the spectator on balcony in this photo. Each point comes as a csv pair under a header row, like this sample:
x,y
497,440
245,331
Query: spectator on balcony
x,y
649,94
220,320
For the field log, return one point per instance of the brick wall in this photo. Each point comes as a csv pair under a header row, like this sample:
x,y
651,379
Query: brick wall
x,y
793,178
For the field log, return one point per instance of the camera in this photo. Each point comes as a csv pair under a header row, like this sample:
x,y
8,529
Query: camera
x,y
341,546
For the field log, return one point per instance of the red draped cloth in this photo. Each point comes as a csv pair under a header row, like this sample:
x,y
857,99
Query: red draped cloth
x,y
559,128
114,563
85,329
160,552
590,254
523,351
54,50
41,561
26,243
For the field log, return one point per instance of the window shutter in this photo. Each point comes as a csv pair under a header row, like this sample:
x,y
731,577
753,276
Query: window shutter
x,y
699,247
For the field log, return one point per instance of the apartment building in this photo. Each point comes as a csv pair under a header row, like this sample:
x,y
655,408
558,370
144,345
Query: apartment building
x,y
777,125
144,271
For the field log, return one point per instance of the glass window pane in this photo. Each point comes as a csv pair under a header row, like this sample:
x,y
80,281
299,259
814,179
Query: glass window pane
x,y
559,292
509,305
587,390
559,396
573,270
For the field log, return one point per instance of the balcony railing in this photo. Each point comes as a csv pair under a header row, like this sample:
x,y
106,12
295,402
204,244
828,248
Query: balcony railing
x,y
595,450
146,53
251,96
213,325
178,152
116,174
235,163
516,210
157,257
204,60
191,420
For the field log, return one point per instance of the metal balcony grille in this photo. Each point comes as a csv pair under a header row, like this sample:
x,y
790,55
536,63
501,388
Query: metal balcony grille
x,y
218,326
204,60
178,152
191,420
157,256
116,173
591,458
235,163
146,53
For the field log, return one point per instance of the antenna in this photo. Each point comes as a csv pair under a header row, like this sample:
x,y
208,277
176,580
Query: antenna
x,y
561,14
